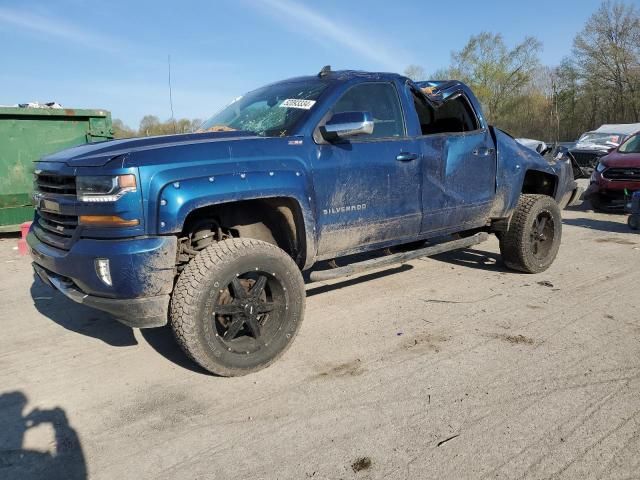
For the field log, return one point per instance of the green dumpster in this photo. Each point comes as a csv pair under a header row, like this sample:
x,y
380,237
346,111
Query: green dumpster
x,y
26,134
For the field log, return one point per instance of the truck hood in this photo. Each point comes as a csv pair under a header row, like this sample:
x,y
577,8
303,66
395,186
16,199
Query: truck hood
x,y
621,160
99,154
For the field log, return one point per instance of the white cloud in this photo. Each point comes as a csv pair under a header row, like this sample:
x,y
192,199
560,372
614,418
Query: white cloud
x,y
318,27
57,28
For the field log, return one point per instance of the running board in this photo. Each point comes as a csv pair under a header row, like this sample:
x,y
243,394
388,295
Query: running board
x,y
355,268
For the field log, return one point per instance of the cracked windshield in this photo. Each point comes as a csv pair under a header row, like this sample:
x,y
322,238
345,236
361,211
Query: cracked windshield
x,y
272,111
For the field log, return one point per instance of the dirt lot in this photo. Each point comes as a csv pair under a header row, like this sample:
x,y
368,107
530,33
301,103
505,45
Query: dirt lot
x,y
450,367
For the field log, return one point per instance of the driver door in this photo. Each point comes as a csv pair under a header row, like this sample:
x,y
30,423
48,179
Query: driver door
x,y
368,187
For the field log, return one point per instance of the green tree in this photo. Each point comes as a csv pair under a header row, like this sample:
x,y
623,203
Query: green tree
x,y
599,83
151,125
496,73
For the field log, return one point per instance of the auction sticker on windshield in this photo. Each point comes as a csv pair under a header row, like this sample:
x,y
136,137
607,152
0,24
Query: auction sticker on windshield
x,y
298,103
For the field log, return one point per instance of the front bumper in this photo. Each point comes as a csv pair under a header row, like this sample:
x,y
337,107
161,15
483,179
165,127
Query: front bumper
x,y
142,272
612,194
135,312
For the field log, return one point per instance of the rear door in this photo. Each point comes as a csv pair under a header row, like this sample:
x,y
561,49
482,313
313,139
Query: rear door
x,y
459,169
368,188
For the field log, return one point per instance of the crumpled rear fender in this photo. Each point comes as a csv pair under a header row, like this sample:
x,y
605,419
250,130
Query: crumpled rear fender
x,y
514,161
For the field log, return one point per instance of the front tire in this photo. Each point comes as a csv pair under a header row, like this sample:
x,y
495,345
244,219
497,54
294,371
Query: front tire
x,y
532,240
237,306
634,221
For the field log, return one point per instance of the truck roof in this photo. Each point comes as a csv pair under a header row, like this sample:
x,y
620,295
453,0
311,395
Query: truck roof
x,y
345,75
332,76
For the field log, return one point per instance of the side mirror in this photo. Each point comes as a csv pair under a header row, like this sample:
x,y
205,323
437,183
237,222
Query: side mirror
x,y
347,124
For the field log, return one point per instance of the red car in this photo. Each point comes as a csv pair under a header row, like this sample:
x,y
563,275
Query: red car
x,y
616,176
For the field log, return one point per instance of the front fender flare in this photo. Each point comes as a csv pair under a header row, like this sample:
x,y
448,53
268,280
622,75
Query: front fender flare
x,y
179,198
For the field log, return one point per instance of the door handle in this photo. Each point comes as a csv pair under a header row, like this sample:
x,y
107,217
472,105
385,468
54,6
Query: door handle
x,y
406,157
483,152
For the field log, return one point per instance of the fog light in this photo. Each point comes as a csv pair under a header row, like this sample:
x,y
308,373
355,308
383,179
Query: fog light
x,y
102,269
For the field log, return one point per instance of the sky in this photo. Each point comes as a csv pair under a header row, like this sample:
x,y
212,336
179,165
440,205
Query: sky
x,y
114,55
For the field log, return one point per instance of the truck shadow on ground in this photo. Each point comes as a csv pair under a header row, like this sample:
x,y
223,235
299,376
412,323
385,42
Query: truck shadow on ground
x,y
17,461
601,225
472,258
93,323
321,287
96,324
162,341
78,318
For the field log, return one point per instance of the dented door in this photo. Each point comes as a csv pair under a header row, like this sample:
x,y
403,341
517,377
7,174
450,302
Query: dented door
x,y
469,162
459,180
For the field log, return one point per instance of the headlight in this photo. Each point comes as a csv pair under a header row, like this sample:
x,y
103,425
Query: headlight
x,y
601,167
104,188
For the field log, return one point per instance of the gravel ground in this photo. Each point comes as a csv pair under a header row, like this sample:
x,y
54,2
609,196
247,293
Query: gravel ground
x,y
451,367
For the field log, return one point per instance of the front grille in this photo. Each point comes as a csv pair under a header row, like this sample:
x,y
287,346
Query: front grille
x,y
55,229
63,225
51,226
57,184
586,159
622,174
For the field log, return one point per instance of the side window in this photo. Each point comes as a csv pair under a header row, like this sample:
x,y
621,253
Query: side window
x,y
379,99
453,116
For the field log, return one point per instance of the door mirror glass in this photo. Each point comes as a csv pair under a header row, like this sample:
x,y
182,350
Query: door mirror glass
x,y
345,125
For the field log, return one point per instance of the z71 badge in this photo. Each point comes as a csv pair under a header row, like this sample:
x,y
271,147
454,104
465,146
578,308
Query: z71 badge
x,y
348,208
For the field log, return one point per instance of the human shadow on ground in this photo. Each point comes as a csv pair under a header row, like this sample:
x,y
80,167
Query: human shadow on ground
x,y
64,461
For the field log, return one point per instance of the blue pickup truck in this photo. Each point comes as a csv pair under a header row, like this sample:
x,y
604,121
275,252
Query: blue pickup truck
x,y
211,231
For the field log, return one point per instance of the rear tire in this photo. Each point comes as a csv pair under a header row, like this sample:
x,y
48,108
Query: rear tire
x,y
532,240
237,306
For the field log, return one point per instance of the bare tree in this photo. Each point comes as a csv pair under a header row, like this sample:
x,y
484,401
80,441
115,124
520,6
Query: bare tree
x,y
607,56
415,73
120,130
